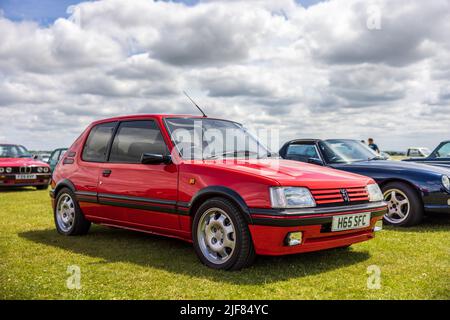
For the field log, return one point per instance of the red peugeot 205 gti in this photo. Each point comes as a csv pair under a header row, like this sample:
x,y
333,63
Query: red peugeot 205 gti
x,y
210,182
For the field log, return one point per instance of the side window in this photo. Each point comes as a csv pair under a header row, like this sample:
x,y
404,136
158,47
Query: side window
x,y
444,151
96,145
133,138
414,153
303,150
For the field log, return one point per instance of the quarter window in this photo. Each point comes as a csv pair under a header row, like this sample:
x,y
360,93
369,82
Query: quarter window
x,y
96,145
135,138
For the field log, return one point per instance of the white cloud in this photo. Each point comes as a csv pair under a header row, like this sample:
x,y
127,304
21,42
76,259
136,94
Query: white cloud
x,y
310,72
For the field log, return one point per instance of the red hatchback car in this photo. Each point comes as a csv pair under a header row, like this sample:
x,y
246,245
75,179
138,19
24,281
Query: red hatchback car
x,y
19,169
161,174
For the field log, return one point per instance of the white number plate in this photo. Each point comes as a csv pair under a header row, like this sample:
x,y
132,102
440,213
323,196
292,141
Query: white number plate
x,y
25,176
350,221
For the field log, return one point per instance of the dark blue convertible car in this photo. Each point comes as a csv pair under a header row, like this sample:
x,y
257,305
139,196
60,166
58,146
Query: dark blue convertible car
x,y
411,189
439,157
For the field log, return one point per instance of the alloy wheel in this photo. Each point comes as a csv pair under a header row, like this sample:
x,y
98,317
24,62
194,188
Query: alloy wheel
x,y
65,212
398,206
216,235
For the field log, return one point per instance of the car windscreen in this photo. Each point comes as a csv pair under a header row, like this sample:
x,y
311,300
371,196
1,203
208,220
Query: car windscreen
x,y
13,151
200,138
342,151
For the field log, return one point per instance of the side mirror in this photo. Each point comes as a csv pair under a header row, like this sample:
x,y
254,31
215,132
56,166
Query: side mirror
x,y
316,161
152,158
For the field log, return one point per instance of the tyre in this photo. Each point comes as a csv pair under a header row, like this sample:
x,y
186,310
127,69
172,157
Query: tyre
x,y
221,236
405,207
69,219
42,187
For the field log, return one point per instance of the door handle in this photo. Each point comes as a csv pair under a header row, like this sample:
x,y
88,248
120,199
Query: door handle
x,y
106,172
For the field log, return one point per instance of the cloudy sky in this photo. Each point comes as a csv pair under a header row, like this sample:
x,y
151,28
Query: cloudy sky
x,y
338,68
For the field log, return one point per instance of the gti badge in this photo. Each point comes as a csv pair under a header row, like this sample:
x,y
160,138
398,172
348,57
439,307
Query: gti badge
x,y
345,196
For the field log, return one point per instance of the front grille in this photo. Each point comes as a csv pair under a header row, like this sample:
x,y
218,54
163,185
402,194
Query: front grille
x,y
326,197
23,170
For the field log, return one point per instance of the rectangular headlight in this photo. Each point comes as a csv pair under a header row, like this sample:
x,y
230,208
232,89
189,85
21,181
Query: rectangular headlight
x,y
291,197
374,192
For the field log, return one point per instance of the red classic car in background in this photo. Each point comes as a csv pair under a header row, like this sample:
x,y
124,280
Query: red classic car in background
x,y
19,169
143,173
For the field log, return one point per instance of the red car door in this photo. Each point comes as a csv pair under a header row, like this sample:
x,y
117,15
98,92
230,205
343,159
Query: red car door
x,y
146,194
85,177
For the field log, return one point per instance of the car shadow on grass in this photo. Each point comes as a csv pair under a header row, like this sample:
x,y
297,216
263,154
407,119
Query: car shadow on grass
x,y
175,256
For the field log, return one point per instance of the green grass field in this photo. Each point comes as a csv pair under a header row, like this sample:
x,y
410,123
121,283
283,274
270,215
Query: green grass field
x,y
118,264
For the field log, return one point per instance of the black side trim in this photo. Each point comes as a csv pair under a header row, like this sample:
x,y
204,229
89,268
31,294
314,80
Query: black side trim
x,y
138,206
86,193
166,206
183,204
149,200
303,221
86,196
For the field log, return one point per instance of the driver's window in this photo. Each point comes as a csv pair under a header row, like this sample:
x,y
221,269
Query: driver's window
x,y
444,151
135,138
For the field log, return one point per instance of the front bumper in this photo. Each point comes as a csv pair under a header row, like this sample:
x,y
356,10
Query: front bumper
x,y
437,202
270,227
9,180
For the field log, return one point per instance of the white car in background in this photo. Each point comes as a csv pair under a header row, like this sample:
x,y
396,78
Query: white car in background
x,y
417,152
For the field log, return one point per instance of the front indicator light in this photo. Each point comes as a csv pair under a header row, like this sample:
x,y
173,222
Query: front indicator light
x,y
294,238
378,226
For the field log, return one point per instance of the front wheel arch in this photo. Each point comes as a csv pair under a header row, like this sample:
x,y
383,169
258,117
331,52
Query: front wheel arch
x,y
223,192
415,203
413,186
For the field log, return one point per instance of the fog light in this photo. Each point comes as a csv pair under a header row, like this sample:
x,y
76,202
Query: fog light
x,y
378,225
294,238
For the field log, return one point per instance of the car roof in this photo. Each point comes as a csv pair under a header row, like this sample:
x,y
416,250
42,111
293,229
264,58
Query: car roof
x,y
157,116
314,140
303,140
148,115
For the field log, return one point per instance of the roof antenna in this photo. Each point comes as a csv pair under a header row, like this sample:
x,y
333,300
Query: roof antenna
x,y
204,115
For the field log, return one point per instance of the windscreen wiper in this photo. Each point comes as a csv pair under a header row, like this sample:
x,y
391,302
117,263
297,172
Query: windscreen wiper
x,y
235,153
